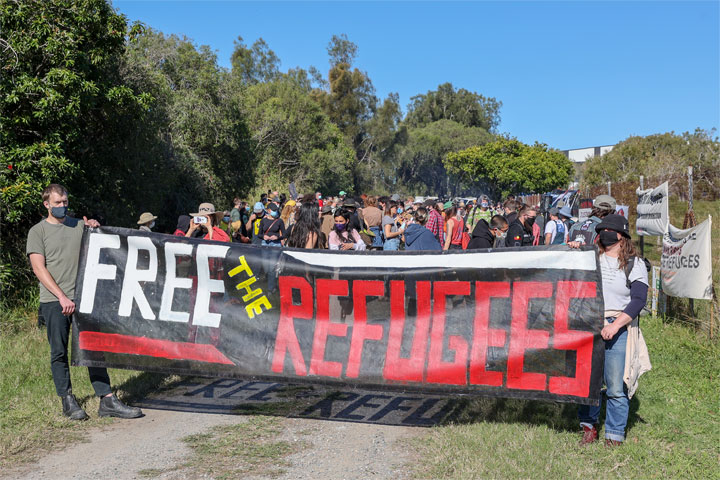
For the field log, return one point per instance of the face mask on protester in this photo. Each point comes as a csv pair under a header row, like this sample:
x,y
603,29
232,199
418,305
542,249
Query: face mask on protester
x,y
400,210
608,238
59,212
274,213
340,226
500,234
226,219
152,225
529,221
247,208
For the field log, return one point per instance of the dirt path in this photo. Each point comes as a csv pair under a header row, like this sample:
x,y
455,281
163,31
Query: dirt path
x,y
153,447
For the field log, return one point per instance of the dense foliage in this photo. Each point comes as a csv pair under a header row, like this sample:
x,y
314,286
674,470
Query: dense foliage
x,y
511,166
661,157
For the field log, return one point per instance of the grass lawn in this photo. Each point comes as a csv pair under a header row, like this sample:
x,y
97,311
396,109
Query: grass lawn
x,y
31,420
674,429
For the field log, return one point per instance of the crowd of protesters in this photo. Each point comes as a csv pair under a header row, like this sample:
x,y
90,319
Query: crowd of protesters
x,y
387,223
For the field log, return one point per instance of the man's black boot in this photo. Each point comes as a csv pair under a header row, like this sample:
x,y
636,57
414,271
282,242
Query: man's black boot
x,y
111,406
71,409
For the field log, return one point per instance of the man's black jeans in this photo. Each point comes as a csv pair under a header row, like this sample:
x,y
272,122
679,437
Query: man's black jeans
x,y
58,331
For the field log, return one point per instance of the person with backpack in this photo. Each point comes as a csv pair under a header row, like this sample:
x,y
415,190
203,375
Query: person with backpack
x,y
625,287
555,232
584,232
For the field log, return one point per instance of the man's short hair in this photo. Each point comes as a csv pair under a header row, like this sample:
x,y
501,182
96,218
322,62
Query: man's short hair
x,y
53,188
498,221
510,204
526,209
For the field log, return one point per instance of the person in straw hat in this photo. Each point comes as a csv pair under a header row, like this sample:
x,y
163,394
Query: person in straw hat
x,y
205,223
146,222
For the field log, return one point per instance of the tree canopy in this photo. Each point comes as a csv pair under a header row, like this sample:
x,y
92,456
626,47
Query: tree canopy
x,y
510,166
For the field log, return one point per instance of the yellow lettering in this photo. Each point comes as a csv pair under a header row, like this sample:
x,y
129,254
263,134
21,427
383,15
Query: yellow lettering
x,y
243,267
255,308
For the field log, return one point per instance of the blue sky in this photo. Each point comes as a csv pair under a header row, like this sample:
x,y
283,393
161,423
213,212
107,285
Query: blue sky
x,y
569,74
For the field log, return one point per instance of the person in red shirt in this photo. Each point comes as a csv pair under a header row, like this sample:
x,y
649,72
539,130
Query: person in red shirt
x,y
205,223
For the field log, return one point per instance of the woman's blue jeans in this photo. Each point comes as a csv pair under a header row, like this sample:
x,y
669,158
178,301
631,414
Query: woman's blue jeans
x,y
618,403
392,244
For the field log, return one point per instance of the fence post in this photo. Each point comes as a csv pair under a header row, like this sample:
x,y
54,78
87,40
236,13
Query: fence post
x,y
642,237
690,210
609,188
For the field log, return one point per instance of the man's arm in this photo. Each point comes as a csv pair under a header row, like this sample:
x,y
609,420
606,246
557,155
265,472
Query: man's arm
x,y
41,272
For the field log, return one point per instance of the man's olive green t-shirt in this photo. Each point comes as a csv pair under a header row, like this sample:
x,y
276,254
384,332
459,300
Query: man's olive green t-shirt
x,y
60,245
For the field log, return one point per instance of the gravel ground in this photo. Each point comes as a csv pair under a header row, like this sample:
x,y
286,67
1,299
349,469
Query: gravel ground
x,y
335,450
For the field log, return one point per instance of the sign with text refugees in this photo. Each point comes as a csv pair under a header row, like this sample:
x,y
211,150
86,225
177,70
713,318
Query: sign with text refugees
x,y
686,264
511,322
652,211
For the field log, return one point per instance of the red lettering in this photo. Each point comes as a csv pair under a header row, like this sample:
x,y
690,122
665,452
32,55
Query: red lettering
x,y
523,338
361,331
410,369
565,339
326,288
455,372
483,336
286,339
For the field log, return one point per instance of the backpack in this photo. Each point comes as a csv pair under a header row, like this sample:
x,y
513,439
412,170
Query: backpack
x,y
559,233
631,264
584,231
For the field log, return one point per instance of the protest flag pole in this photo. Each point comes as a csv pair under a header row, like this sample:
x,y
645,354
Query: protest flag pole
x,y
690,221
642,237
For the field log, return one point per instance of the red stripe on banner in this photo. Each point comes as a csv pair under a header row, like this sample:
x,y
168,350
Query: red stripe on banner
x,y
115,343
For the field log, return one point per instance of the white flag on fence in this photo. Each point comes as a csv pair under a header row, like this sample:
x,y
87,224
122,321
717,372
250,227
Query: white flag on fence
x,y
686,264
652,211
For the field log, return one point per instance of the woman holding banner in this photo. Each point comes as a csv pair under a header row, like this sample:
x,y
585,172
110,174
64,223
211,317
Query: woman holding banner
x,y
625,287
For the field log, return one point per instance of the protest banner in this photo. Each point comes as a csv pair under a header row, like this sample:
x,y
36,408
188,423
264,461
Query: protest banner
x,y
496,323
652,211
686,264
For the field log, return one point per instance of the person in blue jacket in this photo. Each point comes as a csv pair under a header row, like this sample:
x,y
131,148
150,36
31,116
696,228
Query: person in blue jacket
x,y
417,237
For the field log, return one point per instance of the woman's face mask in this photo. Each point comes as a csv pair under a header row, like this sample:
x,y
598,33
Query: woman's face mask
x,y
608,238
226,219
152,224
340,226
400,210
274,214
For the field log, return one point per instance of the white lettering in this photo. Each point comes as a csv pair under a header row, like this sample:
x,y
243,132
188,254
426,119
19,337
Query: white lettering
x,y
206,285
131,289
172,250
94,270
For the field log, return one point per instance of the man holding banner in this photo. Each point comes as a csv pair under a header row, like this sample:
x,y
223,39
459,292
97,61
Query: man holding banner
x,y
53,247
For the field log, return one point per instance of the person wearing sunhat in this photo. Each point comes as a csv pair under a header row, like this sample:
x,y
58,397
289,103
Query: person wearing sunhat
x,y
146,222
625,287
205,223
584,232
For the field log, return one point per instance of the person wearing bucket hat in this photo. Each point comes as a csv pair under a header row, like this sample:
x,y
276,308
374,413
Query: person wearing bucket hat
x,y
205,223
625,287
584,232
146,222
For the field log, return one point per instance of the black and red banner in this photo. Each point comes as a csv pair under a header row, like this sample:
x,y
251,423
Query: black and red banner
x,y
512,322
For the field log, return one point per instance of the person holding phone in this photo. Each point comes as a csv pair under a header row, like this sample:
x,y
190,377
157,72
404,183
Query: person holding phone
x,y
204,224
393,228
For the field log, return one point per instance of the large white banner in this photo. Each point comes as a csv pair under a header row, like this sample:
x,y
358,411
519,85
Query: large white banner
x,y
686,265
652,211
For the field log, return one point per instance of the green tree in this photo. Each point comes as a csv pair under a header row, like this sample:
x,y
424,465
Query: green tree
x,y
350,103
446,103
507,165
293,138
661,157
420,165
60,81
255,64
